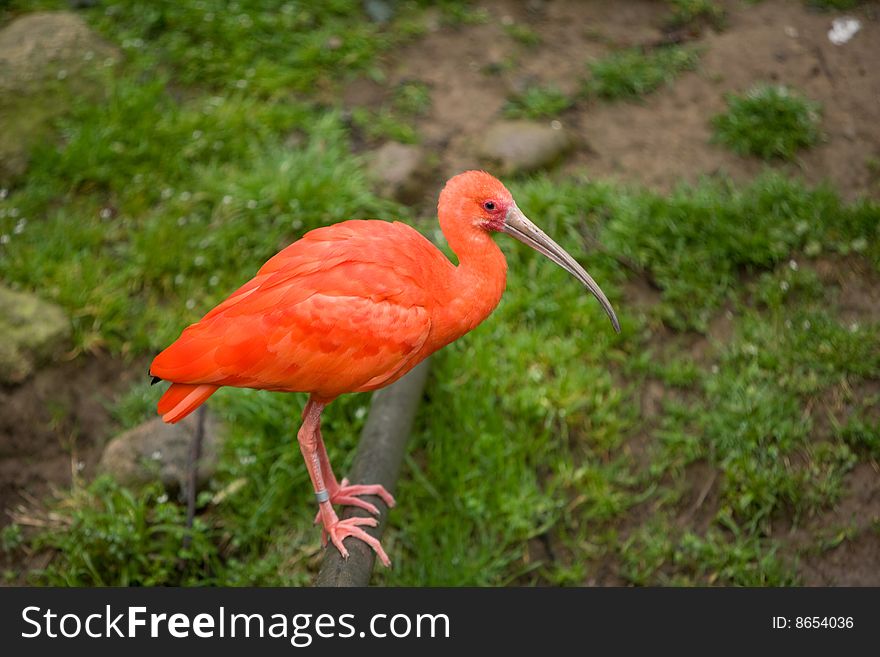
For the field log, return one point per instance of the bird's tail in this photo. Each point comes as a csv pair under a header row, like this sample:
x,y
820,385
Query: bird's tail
x,y
181,399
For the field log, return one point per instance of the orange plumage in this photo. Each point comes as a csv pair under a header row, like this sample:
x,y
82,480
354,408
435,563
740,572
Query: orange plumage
x,y
340,310
352,307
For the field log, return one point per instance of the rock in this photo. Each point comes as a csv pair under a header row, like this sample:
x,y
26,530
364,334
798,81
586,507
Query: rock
x,y
400,171
32,331
155,451
522,146
379,11
43,57
37,46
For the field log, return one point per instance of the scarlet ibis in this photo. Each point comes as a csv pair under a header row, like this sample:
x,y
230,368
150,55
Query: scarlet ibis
x,y
353,307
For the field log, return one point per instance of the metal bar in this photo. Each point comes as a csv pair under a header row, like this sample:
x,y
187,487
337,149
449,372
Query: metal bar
x,y
192,474
378,459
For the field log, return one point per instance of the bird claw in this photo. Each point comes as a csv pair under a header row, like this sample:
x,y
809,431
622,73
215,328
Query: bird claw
x,y
342,529
348,495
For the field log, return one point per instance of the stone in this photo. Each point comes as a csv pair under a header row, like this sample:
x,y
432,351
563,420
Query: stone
x,y
32,331
44,57
523,146
379,11
38,45
155,451
400,171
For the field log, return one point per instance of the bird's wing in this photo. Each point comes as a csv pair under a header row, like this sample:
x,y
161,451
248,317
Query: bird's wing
x,y
330,316
394,246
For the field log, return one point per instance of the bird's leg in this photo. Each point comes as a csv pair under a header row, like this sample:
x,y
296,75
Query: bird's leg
x,y
344,493
337,530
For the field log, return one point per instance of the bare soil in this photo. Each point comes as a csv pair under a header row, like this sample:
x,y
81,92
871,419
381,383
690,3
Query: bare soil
x,y
850,532
664,138
55,425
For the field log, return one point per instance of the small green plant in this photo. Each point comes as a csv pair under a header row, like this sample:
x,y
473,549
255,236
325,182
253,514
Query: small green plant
x,y
872,164
383,124
117,537
769,122
655,555
687,13
523,34
632,73
248,45
412,98
862,434
457,12
394,119
11,538
137,404
537,102
696,242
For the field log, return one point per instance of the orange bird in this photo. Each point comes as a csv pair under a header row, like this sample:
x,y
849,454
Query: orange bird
x,y
353,307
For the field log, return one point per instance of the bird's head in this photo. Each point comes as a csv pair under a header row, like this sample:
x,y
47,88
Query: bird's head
x,y
481,201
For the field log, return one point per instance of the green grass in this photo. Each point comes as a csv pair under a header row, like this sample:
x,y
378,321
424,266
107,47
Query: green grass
x,y
695,244
383,124
751,424
861,429
550,406
265,47
656,555
394,120
630,74
412,98
769,122
690,13
155,201
537,102
174,203
746,418
115,537
523,34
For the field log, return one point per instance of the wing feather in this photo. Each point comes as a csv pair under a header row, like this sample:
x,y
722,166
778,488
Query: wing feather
x,y
343,309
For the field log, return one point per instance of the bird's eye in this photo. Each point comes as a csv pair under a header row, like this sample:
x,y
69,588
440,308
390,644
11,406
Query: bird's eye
x,y
489,205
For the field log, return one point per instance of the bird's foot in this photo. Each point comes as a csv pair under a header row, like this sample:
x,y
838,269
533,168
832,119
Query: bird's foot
x,y
342,529
348,495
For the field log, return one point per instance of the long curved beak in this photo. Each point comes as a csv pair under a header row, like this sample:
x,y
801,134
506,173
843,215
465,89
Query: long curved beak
x,y
517,225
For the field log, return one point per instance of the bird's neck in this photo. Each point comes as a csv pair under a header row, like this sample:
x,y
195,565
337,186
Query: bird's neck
x,y
477,283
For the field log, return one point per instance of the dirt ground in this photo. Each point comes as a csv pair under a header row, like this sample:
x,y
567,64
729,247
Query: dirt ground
x,y
665,138
56,423
54,426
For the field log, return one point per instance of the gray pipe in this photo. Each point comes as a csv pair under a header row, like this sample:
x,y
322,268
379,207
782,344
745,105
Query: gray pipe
x,y
377,461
